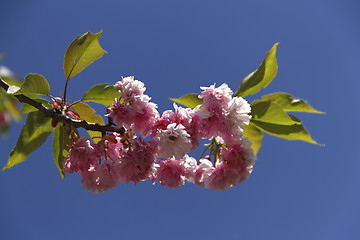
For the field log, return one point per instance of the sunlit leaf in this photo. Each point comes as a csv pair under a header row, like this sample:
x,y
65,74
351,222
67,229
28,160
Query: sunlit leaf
x,y
61,144
88,114
34,133
102,93
290,132
82,52
190,100
289,103
254,135
261,77
33,84
28,108
11,80
58,148
269,112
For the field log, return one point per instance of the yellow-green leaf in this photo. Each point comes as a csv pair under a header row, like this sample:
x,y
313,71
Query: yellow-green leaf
x,y
269,112
290,132
33,84
28,108
261,77
82,52
190,100
88,114
34,133
255,136
58,148
61,144
289,103
102,93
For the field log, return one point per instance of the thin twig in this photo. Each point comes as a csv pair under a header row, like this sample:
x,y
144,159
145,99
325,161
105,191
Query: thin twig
x,y
61,118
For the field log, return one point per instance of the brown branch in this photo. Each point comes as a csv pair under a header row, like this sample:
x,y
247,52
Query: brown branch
x,y
60,117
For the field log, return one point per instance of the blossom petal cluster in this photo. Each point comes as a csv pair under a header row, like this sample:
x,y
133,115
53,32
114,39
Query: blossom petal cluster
x,y
156,147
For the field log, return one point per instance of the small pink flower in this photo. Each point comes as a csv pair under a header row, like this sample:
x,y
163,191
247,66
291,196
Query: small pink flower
x,y
133,110
215,101
135,119
190,167
227,115
221,95
136,164
173,141
131,90
234,166
100,178
238,116
202,171
83,155
220,178
170,173
144,119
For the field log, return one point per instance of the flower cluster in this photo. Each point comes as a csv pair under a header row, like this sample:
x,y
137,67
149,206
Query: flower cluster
x,y
160,154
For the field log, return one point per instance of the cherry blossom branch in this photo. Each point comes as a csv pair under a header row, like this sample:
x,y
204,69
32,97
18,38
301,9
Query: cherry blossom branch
x,y
59,117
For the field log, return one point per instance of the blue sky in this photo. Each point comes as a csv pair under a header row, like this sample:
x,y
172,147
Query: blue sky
x,y
296,191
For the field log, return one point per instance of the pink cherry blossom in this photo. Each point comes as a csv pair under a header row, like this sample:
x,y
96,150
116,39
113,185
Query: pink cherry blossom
x,y
101,178
191,119
190,167
131,90
132,118
136,164
202,171
133,110
234,166
187,119
238,116
221,95
227,115
114,146
124,158
170,173
215,101
173,141
83,154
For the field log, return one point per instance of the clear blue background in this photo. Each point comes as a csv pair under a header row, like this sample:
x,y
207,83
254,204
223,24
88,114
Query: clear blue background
x,y
297,190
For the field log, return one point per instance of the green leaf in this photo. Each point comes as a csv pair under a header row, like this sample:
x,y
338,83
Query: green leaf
x,y
255,136
10,80
289,103
88,114
269,112
290,132
61,142
82,52
34,133
190,100
261,77
33,84
102,93
28,108
58,148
